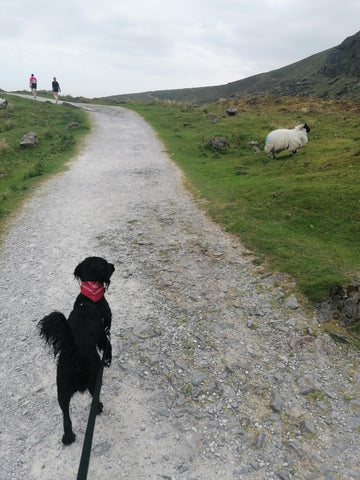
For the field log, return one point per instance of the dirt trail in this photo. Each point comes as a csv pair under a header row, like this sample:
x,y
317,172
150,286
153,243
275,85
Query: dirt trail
x,y
216,373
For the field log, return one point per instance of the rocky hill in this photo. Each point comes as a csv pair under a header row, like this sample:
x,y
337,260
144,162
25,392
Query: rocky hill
x,y
333,73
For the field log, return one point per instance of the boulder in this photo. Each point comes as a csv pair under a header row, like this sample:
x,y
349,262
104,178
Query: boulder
x,y
30,139
291,302
218,143
343,304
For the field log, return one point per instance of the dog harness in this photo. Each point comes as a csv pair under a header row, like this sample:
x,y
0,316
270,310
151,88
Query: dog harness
x,y
93,290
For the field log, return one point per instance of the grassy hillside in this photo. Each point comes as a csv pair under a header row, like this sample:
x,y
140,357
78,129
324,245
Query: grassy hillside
x,y
300,213
21,169
333,73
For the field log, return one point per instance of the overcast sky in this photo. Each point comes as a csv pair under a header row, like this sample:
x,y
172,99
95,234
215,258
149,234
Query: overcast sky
x,y
105,47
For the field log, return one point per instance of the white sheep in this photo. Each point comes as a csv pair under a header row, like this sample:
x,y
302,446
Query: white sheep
x,y
286,139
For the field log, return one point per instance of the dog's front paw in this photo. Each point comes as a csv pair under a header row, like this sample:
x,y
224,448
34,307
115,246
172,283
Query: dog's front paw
x,y
108,356
68,438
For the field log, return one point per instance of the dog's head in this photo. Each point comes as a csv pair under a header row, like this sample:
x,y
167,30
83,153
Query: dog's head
x,y
94,269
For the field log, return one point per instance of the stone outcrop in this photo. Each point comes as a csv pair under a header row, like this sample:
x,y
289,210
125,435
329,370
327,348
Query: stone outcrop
x,y
218,143
343,304
30,139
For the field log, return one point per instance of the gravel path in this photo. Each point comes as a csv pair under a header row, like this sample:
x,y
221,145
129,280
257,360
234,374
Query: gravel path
x,y
217,372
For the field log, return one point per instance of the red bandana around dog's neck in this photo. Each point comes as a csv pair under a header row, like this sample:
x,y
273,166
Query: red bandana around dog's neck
x,y
93,290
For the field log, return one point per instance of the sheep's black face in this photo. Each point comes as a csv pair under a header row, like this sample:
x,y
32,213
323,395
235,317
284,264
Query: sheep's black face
x,y
307,128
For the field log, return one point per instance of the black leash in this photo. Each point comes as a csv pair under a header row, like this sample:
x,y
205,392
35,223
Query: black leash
x,y
86,451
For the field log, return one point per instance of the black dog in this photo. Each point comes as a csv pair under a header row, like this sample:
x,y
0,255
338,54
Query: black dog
x,y
76,341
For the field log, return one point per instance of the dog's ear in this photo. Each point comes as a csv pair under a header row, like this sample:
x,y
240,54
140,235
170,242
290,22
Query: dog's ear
x,y
78,271
111,269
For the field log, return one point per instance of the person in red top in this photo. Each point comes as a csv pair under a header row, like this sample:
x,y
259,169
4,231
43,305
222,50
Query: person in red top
x,y
33,84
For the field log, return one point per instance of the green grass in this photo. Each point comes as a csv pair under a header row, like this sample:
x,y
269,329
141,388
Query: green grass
x,y
301,212
21,169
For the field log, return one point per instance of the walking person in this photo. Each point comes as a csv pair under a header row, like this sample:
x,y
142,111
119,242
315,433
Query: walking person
x,y
56,89
33,84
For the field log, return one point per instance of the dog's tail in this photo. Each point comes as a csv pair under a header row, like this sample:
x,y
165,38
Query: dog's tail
x,y
55,330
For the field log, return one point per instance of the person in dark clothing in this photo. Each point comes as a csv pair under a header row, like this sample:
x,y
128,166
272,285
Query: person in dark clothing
x,y
56,89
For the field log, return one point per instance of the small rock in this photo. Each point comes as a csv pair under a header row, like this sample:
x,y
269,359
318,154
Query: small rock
x,y
255,465
101,448
291,302
308,426
198,378
218,143
30,139
254,146
155,359
276,403
181,364
3,103
260,441
295,447
283,475
306,389
322,406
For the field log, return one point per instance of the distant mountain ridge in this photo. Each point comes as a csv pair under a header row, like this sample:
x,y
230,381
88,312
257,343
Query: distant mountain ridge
x,y
333,73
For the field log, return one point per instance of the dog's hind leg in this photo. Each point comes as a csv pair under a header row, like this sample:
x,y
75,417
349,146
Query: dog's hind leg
x,y
64,402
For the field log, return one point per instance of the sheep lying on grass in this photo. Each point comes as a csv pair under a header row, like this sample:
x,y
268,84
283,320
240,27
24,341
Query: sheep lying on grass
x,y
285,139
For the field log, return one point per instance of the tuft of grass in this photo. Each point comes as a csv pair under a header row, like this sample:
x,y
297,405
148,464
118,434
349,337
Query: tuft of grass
x,y
301,213
4,147
21,169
